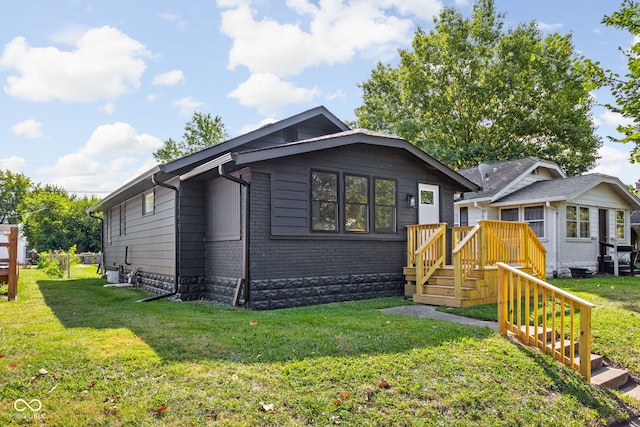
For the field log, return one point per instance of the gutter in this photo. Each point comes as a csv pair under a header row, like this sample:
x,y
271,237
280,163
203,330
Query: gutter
x,y
91,214
176,240
245,248
555,238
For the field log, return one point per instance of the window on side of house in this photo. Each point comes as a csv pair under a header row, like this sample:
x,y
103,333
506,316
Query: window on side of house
x,y
534,215
385,212
108,224
356,204
324,201
578,221
148,203
620,224
509,214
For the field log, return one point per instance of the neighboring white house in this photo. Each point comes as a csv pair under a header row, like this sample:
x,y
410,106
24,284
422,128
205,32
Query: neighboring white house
x,y
570,215
22,248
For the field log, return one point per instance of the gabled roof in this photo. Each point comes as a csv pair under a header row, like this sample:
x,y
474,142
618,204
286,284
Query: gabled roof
x,y
317,114
355,136
566,190
503,176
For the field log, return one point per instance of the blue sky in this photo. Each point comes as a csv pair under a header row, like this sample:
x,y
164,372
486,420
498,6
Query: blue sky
x,y
91,88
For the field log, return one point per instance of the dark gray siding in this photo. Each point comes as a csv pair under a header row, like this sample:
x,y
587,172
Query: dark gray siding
x,y
191,246
291,266
148,242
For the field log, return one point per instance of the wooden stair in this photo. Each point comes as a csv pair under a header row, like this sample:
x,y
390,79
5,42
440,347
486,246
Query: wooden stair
x,y
602,374
440,289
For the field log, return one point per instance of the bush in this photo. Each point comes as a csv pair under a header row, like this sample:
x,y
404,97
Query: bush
x,y
50,264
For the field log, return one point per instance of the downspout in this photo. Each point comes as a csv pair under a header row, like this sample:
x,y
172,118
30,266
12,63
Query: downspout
x,y
176,240
483,210
245,246
555,238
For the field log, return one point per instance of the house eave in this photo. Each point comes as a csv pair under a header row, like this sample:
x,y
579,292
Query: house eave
x,y
126,191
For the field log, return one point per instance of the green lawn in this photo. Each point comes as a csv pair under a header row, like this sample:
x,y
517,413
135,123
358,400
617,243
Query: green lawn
x,y
93,356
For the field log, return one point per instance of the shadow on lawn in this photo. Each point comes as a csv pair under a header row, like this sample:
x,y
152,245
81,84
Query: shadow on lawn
x,y
197,330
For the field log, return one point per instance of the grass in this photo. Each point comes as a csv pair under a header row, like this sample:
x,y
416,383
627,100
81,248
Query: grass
x,y
615,320
93,356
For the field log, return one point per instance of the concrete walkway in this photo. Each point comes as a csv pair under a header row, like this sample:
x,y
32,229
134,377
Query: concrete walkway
x,y
430,312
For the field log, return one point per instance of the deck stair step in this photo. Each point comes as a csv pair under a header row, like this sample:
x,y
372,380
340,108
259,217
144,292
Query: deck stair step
x,y
444,290
559,344
543,334
609,377
631,388
597,361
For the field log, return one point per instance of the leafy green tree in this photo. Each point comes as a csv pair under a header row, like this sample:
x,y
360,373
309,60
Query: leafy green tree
x,y
200,132
14,187
55,220
470,92
626,89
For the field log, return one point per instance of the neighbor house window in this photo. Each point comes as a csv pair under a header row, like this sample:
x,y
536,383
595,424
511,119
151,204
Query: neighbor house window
x,y
385,206
510,214
620,224
356,203
148,203
534,215
578,221
324,201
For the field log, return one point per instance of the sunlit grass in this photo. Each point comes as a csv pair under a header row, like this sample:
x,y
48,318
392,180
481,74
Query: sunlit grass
x,y
112,361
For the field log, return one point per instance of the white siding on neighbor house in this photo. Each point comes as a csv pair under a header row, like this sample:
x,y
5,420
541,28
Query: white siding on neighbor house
x,y
575,251
150,238
542,175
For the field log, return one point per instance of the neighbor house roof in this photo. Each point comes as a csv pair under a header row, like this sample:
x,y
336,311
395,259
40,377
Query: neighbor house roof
x,y
501,177
566,190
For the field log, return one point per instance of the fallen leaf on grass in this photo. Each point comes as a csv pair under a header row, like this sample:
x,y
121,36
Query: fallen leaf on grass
x,y
344,394
253,322
161,409
337,402
111,411
43,371
267,407
383,383
2,355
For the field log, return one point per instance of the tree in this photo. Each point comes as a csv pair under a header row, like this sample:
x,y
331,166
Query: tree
x,y
469,92
627,91
14,187
55,220
200,132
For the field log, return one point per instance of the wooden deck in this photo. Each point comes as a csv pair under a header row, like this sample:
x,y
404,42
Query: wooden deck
x,y
472,279
9,265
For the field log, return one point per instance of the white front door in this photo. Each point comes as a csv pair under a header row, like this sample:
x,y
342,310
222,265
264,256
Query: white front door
x,y
428,204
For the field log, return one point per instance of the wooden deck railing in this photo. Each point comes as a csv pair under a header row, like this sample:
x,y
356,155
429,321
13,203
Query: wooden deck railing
x,y
466,257
541,315
431,255
417,235
460,233
9,269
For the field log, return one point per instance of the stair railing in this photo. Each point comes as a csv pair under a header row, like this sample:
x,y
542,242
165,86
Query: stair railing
x,y
417,235
431,255
466,257
531,309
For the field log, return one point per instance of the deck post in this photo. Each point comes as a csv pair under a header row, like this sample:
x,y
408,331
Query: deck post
x,y
585,342
12,250
502,302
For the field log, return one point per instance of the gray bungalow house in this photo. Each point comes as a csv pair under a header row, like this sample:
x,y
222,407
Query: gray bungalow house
x,y
578,219
300,212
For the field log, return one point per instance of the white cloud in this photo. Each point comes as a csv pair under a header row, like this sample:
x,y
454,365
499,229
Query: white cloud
x,y
181,24
615,162
78,164
13,163
109,107
105,64
549,27
338,31
119,139
253,126
29,128
187,105
615,119
268,93
169,78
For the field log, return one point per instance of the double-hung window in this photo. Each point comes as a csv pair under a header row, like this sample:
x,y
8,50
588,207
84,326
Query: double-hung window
x,y
385,206
534,215
578,221
324,201
620,224
356,203
148,203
